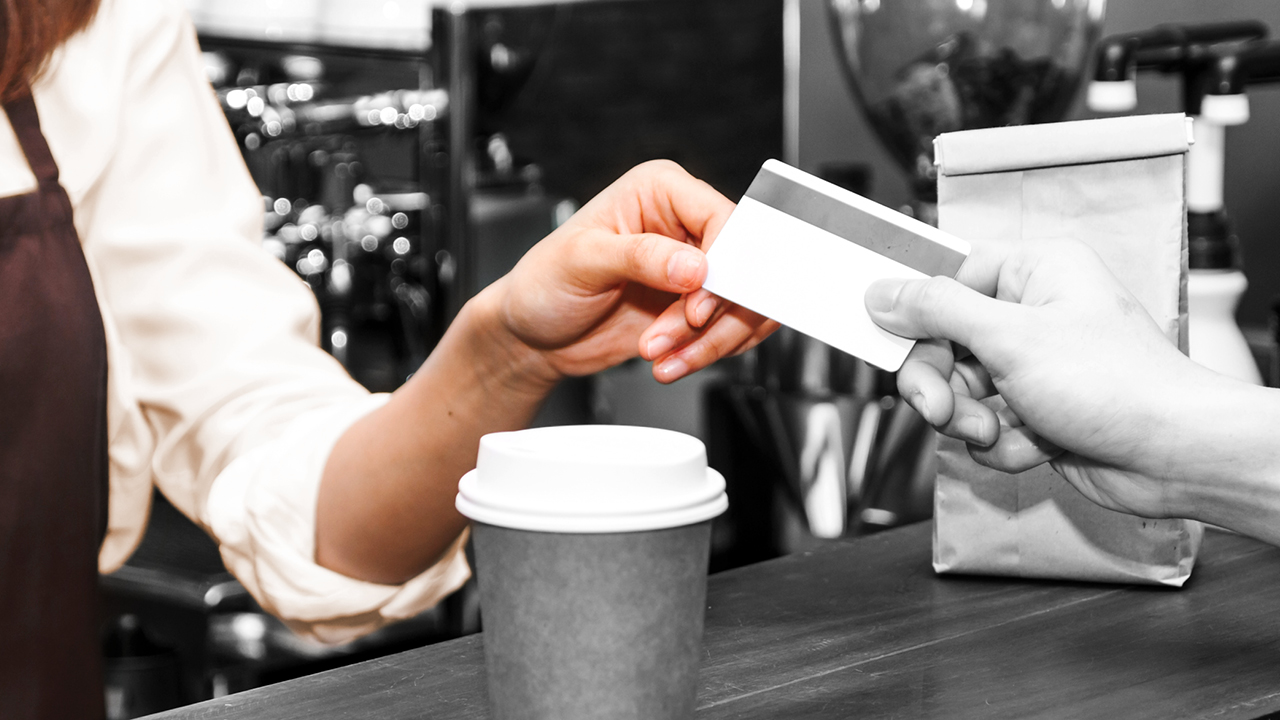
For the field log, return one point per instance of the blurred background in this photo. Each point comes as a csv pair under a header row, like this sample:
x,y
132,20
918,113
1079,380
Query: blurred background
x,y
408,154
832,128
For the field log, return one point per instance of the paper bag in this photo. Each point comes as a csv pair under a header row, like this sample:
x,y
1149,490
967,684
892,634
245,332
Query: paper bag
x,y
1118,185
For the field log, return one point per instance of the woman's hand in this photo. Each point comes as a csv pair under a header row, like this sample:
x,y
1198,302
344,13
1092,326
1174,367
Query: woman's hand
x,y
622,277
1085,379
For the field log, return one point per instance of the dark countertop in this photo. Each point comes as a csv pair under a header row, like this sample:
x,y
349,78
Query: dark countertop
x,y
865,628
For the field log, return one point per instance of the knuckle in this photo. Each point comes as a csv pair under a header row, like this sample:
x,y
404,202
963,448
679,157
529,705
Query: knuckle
x,y
639,252
708,349
944,313
653,170
935,292
662,166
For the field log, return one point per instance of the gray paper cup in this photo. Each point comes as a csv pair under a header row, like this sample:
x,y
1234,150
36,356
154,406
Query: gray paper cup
x,y
591,555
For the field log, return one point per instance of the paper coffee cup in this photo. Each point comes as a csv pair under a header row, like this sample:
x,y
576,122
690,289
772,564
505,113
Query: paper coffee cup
x,y
591,555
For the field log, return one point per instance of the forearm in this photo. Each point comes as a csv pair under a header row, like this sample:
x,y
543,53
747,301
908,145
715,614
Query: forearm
x,y
1224,455
385,511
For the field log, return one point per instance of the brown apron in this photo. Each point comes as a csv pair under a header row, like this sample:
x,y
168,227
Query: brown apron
x,y
53,449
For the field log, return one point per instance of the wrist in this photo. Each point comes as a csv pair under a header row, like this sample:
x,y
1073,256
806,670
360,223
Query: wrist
x,y
499,356
1223,462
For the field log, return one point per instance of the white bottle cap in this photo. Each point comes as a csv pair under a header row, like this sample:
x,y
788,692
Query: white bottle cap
x,y
1112,96
1225,109
591,479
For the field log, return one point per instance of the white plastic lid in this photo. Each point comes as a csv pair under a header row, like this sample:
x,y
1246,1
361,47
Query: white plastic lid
x,y
1225,109
591,479
1112,95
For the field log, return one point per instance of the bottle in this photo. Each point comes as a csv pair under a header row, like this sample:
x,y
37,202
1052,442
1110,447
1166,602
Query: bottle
x,y
1215,282
1214,287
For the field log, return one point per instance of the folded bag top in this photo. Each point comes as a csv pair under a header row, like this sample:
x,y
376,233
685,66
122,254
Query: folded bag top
x,y
1027,147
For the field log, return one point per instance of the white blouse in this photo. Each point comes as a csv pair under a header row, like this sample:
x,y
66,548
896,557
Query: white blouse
x,y
218,393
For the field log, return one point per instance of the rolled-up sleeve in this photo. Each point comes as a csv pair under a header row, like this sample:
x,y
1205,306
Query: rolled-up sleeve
x,y
262,509
218,339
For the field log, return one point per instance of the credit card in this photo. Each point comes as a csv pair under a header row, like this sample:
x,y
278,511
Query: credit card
x,y
802,251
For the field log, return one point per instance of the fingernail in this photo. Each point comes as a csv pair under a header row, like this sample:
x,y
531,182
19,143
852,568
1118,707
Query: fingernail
x,y
921,405
974,430
672,369
703,312
658,346
683,268
883,294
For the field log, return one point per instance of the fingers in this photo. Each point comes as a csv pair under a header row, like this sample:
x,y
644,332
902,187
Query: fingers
x,y
598,260
973,422
977,380
696,206
667,332
930,384
761,333
661,197
699,307
935,308
923,381
636,229
678,350
963,310
722,338
1018,450
981,270
1003,269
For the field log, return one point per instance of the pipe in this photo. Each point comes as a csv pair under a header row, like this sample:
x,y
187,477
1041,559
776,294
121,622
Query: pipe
x,y
1183,49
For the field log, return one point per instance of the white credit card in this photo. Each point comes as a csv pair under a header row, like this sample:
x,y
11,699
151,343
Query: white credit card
x,y
802,251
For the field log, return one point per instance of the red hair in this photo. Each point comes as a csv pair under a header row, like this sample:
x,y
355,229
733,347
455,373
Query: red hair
x,y
30,30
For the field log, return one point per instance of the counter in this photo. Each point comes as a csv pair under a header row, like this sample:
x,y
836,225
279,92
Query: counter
x,y
865,628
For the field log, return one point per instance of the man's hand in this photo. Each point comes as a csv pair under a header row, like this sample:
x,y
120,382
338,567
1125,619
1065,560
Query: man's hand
x,y
1066,366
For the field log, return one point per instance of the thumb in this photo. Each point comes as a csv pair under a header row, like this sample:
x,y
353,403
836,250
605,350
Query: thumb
x,y
937,307
657,261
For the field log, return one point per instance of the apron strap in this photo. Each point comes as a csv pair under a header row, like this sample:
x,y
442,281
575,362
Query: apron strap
x,y
53,450
26,125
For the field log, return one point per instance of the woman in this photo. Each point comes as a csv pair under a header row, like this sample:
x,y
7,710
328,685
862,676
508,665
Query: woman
x,y
146,339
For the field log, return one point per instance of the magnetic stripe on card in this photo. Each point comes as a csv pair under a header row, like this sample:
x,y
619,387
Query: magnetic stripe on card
x,y
853,218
